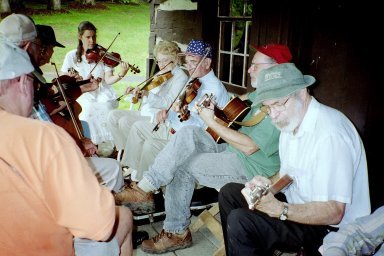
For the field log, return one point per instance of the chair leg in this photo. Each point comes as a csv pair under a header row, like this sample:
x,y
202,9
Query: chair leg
x,y
207,217
220,251
119,155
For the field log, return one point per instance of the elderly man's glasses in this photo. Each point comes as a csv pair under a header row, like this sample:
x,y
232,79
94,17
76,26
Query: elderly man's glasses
x,y
278,107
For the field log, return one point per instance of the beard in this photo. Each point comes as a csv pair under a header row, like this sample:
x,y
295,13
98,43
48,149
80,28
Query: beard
x,y
254,82
290,124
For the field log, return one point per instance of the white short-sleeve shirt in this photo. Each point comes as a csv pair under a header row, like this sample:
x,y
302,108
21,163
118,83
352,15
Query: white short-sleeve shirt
x,y
326,159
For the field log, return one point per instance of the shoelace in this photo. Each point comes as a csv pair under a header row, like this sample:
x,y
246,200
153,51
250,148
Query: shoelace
x,y
161,235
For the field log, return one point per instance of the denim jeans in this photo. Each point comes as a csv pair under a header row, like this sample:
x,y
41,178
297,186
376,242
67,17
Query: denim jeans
x,y
191,157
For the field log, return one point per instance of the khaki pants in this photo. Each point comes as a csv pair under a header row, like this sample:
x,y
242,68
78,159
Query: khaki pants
x,y
143,144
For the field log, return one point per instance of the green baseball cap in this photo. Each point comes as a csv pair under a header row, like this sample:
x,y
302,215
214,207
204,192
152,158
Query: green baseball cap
x,y
279,81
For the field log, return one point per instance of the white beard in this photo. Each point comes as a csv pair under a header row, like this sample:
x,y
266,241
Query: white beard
x,y
290,124
254,82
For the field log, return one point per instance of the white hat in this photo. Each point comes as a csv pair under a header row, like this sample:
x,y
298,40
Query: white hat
x,y
14,61
17,28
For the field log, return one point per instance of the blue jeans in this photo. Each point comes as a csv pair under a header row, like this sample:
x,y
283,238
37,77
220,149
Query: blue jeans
x,y
191,157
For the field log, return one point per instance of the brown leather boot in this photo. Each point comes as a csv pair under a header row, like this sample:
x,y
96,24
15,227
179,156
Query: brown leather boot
x,y
167,242
135,199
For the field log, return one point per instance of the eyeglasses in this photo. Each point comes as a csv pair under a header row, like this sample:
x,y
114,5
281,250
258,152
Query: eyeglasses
x,y
279,107
167,60
253,65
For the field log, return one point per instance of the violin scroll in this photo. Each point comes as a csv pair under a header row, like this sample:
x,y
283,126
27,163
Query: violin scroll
x,y
134,69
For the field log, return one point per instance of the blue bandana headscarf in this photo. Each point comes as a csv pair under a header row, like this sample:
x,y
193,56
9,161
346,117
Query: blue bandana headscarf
x,y
199,47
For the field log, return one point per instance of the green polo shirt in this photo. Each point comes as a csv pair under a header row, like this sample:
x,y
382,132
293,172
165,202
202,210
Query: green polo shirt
x,y
265,161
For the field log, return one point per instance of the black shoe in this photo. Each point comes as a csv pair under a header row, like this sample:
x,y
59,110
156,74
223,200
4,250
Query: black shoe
x,y
138,237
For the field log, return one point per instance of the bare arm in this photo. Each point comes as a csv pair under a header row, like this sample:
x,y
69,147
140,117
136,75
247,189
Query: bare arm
x,y
110,78
313,213
237,139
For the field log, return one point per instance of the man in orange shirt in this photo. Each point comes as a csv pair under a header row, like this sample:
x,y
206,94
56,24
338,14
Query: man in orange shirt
x,y
48,191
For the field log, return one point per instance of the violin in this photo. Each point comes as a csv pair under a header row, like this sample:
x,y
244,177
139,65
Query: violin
x,y
69,82
63,108
110,59
152,84
187,97
50,93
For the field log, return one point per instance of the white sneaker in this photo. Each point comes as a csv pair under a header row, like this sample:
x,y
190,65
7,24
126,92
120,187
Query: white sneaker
x,y
128,171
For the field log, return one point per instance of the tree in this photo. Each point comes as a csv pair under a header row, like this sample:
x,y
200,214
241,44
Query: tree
x,y
17,4
5,7
87,2
54,5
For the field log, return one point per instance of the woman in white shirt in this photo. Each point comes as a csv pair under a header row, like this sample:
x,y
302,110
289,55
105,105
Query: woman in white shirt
x,y
97,101
153,100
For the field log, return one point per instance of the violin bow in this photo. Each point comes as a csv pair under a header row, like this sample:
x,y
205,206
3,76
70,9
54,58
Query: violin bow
x,y
78,131
106,51
207,51
146,81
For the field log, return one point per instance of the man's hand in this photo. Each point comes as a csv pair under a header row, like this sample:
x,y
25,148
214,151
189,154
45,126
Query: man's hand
x,y
129,90
206,113
254,190
88,146
176,106
75,74
267,202
257,181
161,116
270,205
91,86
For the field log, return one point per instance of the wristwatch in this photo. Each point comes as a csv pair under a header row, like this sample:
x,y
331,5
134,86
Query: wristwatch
x,y
284,213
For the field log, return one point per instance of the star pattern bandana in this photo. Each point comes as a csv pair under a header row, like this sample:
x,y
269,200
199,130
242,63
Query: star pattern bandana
x,y
199,47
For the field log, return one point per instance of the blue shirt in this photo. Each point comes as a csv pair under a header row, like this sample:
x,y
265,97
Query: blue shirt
x,y
40,113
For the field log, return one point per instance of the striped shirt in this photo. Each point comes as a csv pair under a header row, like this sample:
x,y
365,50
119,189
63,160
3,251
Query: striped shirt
x,y
361,237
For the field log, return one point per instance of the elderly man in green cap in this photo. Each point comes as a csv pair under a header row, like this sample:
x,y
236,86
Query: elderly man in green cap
x,y
323,153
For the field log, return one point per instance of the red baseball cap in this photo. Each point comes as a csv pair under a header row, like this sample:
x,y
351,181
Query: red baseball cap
x,y
279,52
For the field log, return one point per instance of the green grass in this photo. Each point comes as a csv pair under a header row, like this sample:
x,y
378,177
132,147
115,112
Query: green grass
x,y
132,21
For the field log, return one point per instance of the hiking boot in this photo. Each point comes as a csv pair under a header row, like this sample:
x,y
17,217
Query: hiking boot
x,y
167,242
135,199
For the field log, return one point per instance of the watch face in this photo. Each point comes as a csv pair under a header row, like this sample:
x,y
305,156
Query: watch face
x,y
283,215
